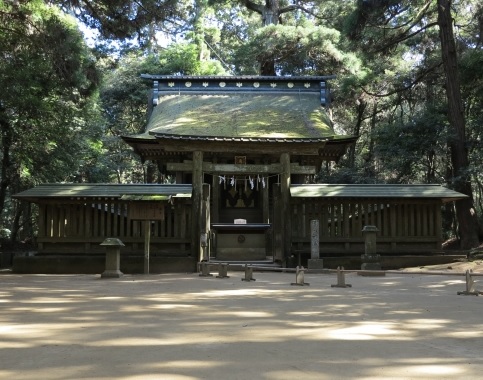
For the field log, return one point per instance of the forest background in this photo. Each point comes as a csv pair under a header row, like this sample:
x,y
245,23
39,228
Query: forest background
x,y
409,82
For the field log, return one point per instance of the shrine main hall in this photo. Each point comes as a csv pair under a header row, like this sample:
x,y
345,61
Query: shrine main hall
x,y
241,154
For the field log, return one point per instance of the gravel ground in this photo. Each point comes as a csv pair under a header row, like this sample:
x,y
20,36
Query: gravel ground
x,y
183,326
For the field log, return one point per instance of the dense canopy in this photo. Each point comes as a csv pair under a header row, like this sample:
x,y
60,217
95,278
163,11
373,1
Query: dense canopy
x,y
408,83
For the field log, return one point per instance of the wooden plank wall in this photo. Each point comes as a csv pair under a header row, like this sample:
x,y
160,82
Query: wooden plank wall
x,y
403,225
92,222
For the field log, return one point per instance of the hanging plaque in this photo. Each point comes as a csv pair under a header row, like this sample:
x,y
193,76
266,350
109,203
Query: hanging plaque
x,y
240,160
146,211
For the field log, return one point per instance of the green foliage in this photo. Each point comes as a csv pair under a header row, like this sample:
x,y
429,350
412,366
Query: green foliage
x,y
125,102
57,124
297,50
121,19
413,152
48,99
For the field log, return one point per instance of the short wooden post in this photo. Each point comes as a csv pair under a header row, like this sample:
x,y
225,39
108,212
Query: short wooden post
x,y
300,277
113,258
222,271
470,285
205,269
341,279
248,274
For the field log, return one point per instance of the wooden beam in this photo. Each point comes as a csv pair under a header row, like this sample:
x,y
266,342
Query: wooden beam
x,y
237,147
241,169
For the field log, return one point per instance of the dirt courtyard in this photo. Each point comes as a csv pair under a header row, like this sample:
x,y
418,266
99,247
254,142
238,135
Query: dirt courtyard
x,y
183,326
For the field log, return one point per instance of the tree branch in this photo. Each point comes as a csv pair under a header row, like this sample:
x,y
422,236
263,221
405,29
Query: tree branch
x,y
252,6
405,88
402,37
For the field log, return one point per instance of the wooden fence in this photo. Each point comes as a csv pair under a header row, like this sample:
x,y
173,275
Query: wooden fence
x,y
404,226
80,227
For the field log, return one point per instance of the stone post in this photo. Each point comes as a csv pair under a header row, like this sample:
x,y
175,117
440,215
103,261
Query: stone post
x,y
370,259
113,258
315,262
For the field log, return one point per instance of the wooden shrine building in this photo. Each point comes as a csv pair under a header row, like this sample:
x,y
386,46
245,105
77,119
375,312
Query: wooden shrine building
x,y
241,151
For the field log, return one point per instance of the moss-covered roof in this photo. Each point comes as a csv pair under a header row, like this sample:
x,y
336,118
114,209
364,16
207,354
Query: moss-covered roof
x,y
241,115
379,191
138,191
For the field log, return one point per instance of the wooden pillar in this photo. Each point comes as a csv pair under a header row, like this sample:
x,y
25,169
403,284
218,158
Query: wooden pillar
x,y
265,202
277,225
215,190
285,198
197,182
205,223
438,227
393,222
147,242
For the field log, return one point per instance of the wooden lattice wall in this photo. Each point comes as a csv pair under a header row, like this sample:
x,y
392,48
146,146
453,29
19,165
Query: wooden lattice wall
x,y
404,225
79,227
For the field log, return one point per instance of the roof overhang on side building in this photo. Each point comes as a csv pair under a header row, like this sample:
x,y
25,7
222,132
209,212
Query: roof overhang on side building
x,y
87,191
376,191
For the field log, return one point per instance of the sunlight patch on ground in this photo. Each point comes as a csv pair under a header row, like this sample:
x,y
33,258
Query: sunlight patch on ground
x,y
158,376
309,324
138,342
306,313
403,312
368,331
43,300
435,370
188,364
49,310
476,333
108,298
427,324
295,374
444,284
176,306
245,314
4,345
234,293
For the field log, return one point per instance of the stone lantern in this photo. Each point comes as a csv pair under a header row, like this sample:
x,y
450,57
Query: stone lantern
x,y
113,258
370,259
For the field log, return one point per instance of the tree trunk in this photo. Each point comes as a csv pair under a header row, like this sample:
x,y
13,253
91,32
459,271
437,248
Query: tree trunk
x,y
6,141
465,211
270,13
361,108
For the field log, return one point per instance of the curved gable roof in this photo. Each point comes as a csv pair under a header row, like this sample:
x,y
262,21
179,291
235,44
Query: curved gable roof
x,y
248,110
241,115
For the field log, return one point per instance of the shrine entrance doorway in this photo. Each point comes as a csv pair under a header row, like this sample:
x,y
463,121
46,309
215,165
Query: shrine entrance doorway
x,y
240,223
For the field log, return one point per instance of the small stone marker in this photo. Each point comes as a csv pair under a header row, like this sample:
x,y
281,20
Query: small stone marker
x,y
371,261
341,279
315,262
222,271
205,269
248,274
300,277
470,286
